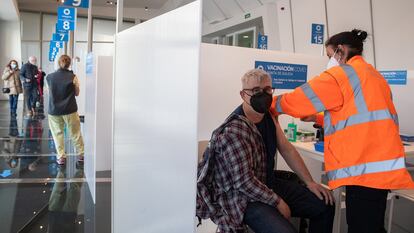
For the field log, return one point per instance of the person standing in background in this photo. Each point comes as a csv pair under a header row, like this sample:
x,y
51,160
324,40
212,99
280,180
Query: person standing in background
x,y
27,76
63,86
40,77
11,77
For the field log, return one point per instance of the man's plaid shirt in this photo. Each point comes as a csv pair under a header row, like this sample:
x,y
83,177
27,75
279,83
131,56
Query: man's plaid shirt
x,y
233,174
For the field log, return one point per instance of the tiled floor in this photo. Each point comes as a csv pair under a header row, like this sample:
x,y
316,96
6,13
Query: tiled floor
x,y
37,195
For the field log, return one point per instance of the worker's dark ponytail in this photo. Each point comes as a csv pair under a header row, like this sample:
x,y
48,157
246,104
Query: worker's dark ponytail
x,y
354,39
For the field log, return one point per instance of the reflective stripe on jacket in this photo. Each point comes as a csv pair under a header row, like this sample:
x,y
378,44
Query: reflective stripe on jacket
x,y
362,141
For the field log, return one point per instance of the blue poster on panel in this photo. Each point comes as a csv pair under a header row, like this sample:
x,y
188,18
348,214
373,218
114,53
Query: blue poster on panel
x,y
395,77
66,18
262,42
77,3
317,33
284,75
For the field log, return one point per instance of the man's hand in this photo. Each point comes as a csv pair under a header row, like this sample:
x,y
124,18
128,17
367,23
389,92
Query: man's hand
x,y
28,80
321,192
311,118
283,208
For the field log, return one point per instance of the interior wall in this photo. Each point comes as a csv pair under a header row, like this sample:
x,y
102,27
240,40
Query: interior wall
x,y
10,46
302,25
394,34
155,123
353,14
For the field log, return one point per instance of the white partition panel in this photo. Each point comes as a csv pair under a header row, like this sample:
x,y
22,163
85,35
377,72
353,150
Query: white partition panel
x,y
404,101
104,87
98,119
155,123
89,132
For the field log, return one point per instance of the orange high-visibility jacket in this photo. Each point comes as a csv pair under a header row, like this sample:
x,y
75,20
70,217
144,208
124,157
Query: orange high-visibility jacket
x,y
362,141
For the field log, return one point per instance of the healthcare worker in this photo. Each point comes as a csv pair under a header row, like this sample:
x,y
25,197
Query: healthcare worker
x,y
363,149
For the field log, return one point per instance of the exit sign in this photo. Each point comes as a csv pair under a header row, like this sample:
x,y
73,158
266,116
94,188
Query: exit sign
x,y
246,16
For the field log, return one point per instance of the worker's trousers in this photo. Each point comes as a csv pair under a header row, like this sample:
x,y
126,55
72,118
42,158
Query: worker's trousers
x,y
365,209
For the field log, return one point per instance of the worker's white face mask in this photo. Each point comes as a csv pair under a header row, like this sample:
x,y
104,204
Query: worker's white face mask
x,y
332,61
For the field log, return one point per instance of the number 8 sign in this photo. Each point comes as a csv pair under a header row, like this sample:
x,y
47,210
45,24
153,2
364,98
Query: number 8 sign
x,y
66,18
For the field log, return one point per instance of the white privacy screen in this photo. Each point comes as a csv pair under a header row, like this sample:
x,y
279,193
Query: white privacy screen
x,y
155,124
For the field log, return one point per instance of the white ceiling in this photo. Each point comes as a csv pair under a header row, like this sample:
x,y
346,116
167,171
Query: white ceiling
x,y
218,10
213,10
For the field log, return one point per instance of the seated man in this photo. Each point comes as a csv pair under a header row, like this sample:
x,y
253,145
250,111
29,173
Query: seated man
x,y
236,184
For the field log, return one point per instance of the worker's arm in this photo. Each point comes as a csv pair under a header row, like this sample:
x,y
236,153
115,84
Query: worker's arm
x,y
320,94
295,162
317,118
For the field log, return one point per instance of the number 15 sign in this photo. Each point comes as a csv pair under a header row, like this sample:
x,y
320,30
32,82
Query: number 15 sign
x,y
66,18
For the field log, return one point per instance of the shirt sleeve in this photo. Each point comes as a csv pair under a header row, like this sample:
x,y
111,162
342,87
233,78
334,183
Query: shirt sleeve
x,y
240,160
6,74
319,94
77,85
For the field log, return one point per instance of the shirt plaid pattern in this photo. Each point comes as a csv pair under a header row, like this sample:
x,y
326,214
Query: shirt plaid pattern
x,y
237,166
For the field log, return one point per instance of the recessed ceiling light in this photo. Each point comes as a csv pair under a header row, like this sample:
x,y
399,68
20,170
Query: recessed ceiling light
x,y
245,37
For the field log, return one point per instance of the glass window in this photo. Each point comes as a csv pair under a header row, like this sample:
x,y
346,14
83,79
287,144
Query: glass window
x,y
30,25
48,66
103,30
30,49
230,40
81,33
103,49
246,39
49,26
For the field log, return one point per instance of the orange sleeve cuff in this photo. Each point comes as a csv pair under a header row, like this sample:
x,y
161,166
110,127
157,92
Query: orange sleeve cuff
x,y
319,119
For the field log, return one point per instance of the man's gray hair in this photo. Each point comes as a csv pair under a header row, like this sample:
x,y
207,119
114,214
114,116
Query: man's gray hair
x,y
257,75
32,59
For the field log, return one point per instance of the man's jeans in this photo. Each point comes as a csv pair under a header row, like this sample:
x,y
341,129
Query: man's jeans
x,y
31,96
262,218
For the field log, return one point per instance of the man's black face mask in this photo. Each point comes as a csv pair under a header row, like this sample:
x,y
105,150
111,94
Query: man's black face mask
x,y
261,102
